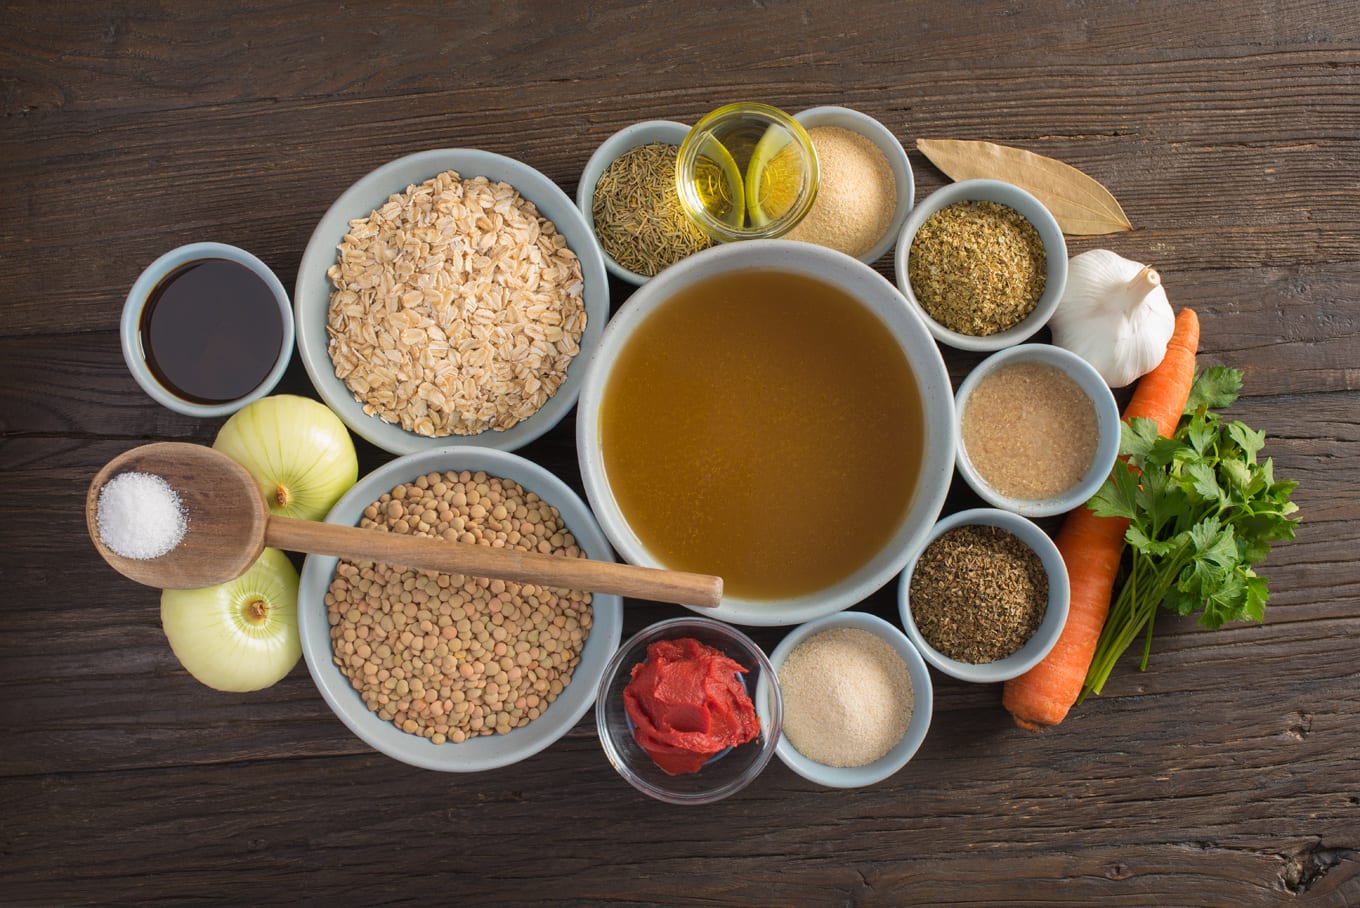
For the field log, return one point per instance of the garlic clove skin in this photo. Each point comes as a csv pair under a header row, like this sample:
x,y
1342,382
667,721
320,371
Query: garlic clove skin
x,y
1114,313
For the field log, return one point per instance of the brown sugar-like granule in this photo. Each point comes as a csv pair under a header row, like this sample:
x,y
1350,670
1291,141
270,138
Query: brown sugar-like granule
x,y
1029,431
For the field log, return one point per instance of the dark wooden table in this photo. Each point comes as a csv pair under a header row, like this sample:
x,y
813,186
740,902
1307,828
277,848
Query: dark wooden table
x,y
1227,774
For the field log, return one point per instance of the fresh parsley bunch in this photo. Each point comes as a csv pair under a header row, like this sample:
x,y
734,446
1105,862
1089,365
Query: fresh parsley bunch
x,y
1203,509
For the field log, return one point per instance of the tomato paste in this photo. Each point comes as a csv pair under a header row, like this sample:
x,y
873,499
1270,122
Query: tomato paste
x,y
687,703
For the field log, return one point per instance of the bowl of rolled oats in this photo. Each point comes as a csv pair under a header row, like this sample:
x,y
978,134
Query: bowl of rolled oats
x,y
450,297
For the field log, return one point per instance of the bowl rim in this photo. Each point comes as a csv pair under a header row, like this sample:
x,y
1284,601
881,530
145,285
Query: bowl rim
x,y
893,151
477,754
1055,248
1055,617
1107,428
645,132
311,293
923,704
932,377
771,722
129,325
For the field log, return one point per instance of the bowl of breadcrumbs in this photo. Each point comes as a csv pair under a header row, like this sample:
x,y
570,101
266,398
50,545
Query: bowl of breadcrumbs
x,y
450,297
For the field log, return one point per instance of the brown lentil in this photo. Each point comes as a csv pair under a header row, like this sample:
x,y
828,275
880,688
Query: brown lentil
x,y
978,593
1029,431
427,651
977,267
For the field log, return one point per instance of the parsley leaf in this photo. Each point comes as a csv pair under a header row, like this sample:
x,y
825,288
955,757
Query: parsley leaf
x,y
1203,508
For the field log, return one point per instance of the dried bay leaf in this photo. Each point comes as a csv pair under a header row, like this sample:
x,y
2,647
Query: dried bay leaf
x,y
1081,206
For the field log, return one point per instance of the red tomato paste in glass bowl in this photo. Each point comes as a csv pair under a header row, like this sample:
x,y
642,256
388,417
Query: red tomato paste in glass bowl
x,y
687,703
675,715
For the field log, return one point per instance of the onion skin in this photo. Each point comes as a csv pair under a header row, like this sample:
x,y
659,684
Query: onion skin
x,y
299,452
212,633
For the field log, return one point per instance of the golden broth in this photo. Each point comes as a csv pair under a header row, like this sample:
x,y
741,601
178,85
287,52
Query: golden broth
x,y
765,427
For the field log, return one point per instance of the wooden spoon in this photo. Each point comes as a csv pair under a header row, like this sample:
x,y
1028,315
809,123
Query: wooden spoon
x,y
229,525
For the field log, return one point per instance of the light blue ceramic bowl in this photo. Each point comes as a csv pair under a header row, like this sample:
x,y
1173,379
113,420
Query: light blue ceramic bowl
x,y
923,698
1043,639
489,751
1107,429
313,290
892,149
1033,210
648,132
129,328
880,298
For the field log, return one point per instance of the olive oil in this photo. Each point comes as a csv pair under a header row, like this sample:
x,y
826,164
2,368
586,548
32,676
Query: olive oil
x,y
211,331
748,174
765,427
746,171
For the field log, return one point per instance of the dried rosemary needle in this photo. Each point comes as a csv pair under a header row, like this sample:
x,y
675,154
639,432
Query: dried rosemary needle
x,y
637,212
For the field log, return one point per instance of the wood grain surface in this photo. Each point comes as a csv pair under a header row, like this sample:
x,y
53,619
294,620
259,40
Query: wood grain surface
x,y
1228,773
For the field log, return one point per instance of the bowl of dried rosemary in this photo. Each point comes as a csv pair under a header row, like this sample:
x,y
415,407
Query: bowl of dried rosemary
x,y
983,262
628,196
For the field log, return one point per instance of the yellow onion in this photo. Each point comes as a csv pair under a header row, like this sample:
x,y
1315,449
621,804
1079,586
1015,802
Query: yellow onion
x,y
299,452
241,635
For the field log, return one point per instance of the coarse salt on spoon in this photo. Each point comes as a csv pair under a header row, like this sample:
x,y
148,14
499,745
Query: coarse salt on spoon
x,y
229,525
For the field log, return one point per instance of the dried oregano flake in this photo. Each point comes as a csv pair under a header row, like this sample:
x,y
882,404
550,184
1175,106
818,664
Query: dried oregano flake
x,y
978,267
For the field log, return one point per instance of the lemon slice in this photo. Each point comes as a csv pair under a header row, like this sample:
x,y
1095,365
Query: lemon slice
x,y
717,179
773,178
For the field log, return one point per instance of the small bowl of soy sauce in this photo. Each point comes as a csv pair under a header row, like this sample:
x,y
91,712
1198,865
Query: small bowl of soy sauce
x,y
206,329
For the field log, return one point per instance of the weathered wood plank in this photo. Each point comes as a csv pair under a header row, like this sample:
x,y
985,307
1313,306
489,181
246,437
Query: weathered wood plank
x,y
1188,820
1227,773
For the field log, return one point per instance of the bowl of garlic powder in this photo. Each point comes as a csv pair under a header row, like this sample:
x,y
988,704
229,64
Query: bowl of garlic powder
x,y
857,700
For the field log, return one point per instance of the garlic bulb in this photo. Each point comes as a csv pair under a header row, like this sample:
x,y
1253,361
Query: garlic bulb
x,y
1114,314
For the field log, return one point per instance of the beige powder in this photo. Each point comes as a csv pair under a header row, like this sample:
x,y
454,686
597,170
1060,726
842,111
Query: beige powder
x,y
1030,431
856,193
847,697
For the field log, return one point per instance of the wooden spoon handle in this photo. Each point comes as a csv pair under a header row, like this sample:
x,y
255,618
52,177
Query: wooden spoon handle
x,y
585,574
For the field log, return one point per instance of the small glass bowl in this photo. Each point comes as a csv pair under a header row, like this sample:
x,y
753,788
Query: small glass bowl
x,y
1040,642
724,774
740,152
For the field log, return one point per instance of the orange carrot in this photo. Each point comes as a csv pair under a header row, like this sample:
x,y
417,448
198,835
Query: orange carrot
x,y
1091,547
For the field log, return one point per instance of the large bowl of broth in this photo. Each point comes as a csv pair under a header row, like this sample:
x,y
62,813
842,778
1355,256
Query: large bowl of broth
x,y
772,412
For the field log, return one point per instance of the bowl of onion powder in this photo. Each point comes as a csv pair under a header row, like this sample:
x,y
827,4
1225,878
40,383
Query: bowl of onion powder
x,y
857,700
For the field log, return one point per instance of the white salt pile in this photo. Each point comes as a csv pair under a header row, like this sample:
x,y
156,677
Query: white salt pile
x,y
139,516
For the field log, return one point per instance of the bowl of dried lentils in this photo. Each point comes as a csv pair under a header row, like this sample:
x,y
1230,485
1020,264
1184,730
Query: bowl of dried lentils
x,y
450,297
987,597
450,672
983,263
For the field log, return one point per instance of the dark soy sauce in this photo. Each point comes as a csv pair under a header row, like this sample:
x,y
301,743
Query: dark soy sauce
x,y
211,331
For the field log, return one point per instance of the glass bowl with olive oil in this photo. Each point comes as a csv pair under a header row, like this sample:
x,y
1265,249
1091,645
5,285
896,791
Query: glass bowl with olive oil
x,y
746,171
